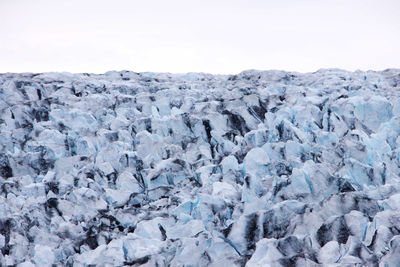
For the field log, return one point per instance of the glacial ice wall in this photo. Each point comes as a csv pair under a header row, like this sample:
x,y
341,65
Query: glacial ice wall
x,y
263,168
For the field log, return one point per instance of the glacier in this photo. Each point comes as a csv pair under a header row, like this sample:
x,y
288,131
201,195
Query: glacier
x,y
262,168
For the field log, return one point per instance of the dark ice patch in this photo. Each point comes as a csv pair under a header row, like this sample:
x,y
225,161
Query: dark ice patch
x,y
316,157
138,261
279,186
366,205
284,133
230,136
163,232
179,162
112,137
343,232
371,246
147,123
207,128
22,84
274,109
61,127
289,261
5,230
39,93
205,259
91,238
52,186
257,112
70,145
24,124
324,234
282,169
336,230
5,168
275,226
186,121
251,230
52,205
44,162
344,185
236,122
227,230
290,246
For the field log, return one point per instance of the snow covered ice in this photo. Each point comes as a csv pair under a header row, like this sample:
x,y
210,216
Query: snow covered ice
x,y
263,168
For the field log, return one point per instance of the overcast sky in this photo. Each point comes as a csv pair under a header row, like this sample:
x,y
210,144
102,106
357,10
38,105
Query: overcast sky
x,y
225,36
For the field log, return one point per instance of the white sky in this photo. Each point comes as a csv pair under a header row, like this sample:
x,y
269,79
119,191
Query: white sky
x,y
214,36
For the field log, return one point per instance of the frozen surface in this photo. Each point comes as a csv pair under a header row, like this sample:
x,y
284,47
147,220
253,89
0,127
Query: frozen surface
x,y
263,168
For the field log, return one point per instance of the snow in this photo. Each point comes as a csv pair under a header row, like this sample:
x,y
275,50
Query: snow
x,y
262,168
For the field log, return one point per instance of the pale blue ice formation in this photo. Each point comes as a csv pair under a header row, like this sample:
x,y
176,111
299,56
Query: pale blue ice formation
x,y
263,168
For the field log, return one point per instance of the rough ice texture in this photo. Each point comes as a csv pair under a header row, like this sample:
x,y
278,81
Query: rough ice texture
x,y
263,168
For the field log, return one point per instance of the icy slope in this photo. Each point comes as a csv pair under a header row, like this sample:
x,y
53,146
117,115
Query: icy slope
x,y
257,169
